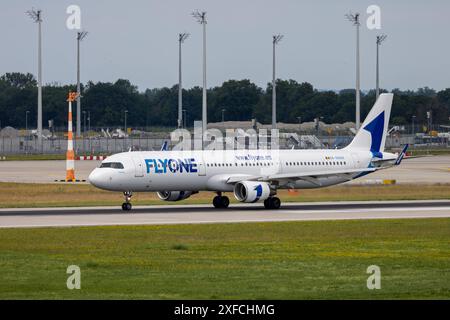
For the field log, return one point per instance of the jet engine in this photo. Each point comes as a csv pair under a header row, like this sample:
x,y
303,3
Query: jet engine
x,y
174,195
251,191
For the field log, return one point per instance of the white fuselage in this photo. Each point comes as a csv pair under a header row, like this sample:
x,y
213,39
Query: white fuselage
x,y
210,169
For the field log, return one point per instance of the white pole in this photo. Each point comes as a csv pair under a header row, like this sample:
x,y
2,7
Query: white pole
x,y
39,116
377,72
358,98
276,38
78,87
204,102
201,18
181,38
274,94
380,39
180,90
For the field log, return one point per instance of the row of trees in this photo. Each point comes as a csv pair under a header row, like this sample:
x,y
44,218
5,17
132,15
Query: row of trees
x,y
242,99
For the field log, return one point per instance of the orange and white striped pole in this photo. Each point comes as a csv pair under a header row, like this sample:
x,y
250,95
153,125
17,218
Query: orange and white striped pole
x,y
70,155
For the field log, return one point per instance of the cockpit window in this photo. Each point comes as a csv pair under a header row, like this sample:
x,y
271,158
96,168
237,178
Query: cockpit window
x,y
113,165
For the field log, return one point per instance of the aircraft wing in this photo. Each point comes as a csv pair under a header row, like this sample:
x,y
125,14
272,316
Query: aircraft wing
x,y
307,176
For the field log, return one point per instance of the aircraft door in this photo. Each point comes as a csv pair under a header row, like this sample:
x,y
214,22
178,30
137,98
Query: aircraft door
x,y
138,166
201,168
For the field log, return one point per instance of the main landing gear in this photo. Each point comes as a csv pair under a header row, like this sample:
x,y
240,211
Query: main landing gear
x,y
126,206
272,203
221,202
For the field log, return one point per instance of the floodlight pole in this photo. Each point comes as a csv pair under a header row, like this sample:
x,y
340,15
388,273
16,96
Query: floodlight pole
x,y
275,41
380,39
181,38
201,18
125,120
26,131
78,88
39,125
36,15
204,101
80,36
354,18
358,92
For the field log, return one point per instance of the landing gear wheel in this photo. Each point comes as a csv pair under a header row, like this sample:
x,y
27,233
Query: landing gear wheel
x,y
221,202
276,203
216,202
126,206
225,202
272,203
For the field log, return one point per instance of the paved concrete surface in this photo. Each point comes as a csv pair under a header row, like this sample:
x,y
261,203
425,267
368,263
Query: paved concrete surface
x,y
42,171
434,169
182,214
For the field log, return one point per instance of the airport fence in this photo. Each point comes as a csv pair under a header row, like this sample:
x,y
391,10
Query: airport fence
x,y
106,146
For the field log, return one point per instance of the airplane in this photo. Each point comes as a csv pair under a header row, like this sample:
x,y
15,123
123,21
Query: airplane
x,y
251,175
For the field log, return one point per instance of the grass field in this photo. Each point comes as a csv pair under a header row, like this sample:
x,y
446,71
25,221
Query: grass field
x,y
285,260
52,195
30,157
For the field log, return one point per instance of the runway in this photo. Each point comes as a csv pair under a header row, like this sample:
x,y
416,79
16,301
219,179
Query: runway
x,y
190,214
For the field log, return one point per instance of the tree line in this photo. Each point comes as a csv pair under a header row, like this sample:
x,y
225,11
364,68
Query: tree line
x,y
242,100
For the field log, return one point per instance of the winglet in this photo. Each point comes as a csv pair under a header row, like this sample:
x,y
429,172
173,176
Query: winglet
x,y
165,146
401,155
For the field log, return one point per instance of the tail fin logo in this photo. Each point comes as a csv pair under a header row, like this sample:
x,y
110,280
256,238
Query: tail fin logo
x,y
376,128
259,191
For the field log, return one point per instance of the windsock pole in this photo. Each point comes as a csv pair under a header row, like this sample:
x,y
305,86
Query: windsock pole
x,y
70,155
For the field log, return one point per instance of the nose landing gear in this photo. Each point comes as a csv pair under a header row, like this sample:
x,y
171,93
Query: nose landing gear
x,y
126,206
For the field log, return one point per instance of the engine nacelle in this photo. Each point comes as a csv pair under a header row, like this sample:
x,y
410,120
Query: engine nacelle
x,y
174,195
251,191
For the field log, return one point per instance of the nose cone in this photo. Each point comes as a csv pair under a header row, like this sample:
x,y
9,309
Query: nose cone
x,y
97,178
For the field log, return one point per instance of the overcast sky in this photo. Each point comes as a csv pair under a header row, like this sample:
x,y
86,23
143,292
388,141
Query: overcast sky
x,y
137,40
